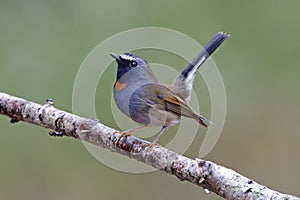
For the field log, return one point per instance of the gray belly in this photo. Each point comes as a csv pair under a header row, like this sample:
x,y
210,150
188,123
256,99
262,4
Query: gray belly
x,y
142,111
146,112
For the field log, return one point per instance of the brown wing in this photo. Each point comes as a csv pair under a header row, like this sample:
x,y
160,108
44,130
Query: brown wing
x,y
161,97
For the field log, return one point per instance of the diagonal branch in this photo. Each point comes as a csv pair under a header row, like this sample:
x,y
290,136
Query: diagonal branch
x,y
218,179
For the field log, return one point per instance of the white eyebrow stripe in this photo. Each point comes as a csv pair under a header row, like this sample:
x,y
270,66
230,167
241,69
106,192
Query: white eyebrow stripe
x,y
126,57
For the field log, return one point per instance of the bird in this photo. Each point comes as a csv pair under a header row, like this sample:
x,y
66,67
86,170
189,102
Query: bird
x,y
150,102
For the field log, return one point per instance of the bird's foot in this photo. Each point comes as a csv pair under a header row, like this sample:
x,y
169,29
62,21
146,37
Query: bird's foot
x,y
127,133
122,134
154,142
150,146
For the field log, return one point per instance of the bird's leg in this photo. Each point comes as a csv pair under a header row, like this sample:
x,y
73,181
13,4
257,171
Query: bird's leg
x,y
153,143
128,132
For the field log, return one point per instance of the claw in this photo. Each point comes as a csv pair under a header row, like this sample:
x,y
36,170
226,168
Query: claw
x,y
127,133
154,142
122,134
150,146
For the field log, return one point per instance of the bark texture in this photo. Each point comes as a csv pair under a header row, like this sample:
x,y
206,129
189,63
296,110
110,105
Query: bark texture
x,y
208,175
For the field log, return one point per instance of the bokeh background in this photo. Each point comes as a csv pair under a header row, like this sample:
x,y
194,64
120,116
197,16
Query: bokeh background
x,y
43,43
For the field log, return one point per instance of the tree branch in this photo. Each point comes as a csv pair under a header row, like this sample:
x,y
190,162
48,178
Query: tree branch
x,y
215,178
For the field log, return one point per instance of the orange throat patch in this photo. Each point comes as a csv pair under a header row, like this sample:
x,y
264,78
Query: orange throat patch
x,y
119,86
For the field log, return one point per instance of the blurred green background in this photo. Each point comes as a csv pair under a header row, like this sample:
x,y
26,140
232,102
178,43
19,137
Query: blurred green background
x,y
43,43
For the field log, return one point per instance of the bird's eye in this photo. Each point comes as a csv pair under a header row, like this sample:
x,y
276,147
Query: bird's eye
x,y
133,64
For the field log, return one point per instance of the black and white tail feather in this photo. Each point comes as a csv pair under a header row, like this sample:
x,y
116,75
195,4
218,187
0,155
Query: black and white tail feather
x,y
183,84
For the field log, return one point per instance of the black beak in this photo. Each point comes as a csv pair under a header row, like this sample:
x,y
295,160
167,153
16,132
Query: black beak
x,y
115,56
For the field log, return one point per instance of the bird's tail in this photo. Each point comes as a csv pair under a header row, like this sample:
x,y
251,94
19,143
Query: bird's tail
x,y
202,120
184,81
209,48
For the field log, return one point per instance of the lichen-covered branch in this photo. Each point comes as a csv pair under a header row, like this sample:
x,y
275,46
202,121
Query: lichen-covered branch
x,y
215,178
